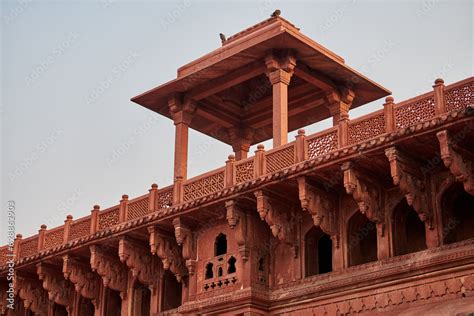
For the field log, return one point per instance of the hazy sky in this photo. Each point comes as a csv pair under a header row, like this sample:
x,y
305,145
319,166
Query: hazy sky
x,y
71,138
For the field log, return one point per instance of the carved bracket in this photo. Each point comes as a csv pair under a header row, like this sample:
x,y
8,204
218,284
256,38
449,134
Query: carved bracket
x,y
141,263
110,269
406,174
367,195
278,216
86,282
238,222
59,289
320,206
166,248
459,161
32,294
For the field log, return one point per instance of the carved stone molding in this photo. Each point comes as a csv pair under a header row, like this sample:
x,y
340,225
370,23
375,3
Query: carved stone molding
x,y
459,161
279,217
145,267
110,269
238,222
367,194
321,206
32,294
86,282
60,291
166,248
406,174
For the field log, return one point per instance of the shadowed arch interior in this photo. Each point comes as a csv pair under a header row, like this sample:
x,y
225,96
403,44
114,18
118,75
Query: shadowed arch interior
x,y
408,230
457,208
362,240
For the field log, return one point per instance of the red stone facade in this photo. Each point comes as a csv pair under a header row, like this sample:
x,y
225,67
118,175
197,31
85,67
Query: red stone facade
x,y
373,216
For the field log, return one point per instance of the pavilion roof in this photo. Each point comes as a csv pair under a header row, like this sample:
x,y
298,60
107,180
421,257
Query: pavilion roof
x,y
231,89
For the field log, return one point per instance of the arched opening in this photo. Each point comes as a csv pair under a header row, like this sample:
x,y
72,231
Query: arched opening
x,y
209,272
87,308
457,209
220,245
362,243
59,310
219,272
113,302
408,230
171,292
141,300
231,265
318,252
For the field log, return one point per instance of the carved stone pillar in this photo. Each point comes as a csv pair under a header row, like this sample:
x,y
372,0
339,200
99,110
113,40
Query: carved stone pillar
x,y
187,240
166,248
32,294
182,112
86,283
322,208
368,196
278,215
407,175
143,266
237,220
279,72
60,291
113,273
241,139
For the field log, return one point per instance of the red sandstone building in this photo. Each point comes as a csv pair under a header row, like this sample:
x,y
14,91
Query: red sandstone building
x,y
373,216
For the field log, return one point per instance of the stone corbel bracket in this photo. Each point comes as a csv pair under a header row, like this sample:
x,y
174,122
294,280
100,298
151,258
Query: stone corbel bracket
x,y
279,217
187,240
110,269
459,161
166,248
143,266
60,291
367,195
86,282
407,175
237,220
32,294
320,206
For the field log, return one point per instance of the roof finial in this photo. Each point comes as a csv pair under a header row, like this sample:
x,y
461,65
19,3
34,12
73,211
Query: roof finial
x,y
222,36
276,13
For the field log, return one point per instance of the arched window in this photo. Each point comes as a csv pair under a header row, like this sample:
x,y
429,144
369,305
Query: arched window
x,y
457,209
219,272
231,265
220,247
318,252
87,308
141,300
408,230
362,240
171,292
113,302
209,272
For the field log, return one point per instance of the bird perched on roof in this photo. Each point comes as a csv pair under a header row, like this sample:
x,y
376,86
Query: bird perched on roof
x,y
276,13
222,36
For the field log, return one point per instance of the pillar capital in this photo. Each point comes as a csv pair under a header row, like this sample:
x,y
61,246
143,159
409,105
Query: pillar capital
x,y
182,109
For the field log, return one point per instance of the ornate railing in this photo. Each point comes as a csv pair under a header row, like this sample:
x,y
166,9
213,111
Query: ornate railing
x,y
203,185
80,228
391,118
138,207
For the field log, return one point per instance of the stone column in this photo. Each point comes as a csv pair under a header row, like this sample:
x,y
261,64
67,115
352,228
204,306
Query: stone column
x,y
182,113
241,139
279,72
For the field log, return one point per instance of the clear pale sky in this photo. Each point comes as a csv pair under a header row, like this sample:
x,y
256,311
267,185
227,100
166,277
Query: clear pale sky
x,y
71,137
